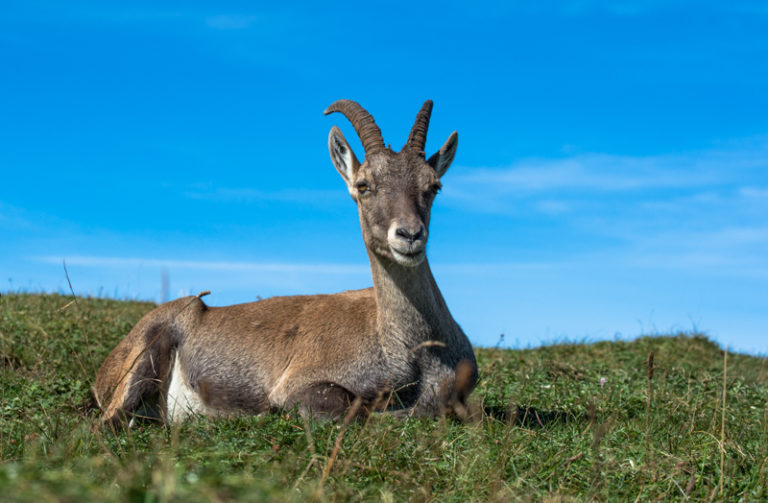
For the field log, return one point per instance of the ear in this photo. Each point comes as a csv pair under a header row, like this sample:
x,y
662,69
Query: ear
x,y
444,157
341,155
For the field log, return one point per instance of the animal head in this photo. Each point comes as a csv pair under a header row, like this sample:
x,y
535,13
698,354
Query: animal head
x,y
394,191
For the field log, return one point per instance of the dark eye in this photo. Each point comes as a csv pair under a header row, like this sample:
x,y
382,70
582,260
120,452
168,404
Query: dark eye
x,y
435,188
362,187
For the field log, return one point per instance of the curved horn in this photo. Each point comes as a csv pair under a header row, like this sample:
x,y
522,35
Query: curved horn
x,y
418,136
367,130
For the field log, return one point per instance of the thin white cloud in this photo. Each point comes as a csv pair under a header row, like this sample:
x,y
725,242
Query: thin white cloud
x,y
701,263
630,8
758,193
178,16
590,183
730,242
244,195
287,267
553,207
230,21
494,267
230,266
12,218
21,219
702,212
614,173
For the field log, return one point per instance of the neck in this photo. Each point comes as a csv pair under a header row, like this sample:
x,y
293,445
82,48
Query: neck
x,y
410,307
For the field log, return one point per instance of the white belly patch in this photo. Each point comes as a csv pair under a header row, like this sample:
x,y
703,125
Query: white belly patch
x,y
182,400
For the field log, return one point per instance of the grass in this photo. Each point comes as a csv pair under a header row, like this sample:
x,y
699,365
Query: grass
x,y
546,429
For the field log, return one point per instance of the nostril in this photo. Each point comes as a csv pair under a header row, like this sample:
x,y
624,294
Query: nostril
x,y
408,235
405,234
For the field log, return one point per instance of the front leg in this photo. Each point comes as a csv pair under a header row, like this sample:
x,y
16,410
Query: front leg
x,y
445,390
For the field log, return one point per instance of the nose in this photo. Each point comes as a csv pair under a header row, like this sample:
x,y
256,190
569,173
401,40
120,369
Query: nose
x,y
410,235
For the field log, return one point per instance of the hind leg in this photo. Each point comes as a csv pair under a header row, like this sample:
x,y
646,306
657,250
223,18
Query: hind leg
x,y
131,379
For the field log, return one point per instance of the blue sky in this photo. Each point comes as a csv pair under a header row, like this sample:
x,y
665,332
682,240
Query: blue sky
x,y
611,177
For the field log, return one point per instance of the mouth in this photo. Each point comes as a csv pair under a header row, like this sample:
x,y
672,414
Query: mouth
x,y
410,258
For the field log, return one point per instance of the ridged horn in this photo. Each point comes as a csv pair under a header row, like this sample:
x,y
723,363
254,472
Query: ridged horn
x,y
362,121
417,139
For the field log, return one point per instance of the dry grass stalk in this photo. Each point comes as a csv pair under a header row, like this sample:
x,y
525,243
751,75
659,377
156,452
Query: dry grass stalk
x,y
722,421
351,414
648,407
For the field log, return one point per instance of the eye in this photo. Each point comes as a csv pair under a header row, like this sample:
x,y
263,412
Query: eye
x,y
435,188
362,187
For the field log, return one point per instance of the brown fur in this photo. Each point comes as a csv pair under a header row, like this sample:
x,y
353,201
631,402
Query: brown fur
x,y
317,352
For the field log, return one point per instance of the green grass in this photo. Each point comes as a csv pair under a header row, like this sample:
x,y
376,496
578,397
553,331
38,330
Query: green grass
x,y
545,429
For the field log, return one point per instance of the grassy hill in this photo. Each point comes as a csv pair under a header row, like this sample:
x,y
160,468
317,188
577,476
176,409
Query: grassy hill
x,y
568,422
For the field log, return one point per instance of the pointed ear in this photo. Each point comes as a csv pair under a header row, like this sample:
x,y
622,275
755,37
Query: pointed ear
x,y
444,157
341,155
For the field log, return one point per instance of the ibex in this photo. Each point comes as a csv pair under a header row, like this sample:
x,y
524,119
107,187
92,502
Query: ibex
x,y
396,340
